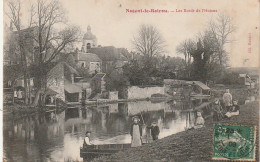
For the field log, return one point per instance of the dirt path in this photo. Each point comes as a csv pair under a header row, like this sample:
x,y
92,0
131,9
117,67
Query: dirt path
x,y
192,145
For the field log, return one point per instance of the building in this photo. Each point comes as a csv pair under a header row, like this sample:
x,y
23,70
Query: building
x,y
245,79
61,79
89,61
89,41
111,57
98,83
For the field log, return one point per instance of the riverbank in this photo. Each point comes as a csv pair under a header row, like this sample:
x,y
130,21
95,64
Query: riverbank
x,y
20,111
191,145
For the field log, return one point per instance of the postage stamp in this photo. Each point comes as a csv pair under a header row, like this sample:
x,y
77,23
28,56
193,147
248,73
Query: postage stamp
x,y
234,142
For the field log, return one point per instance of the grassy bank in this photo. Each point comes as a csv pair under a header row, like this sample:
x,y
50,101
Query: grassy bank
x,y
191,145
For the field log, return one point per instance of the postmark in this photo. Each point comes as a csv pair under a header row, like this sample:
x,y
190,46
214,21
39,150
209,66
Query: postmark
x,y
234,142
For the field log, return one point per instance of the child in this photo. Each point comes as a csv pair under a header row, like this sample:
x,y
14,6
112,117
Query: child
x,y
217,109
154,131
199,121
233,110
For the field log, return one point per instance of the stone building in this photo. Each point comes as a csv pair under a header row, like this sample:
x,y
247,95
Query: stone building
x,y
89,61
61,79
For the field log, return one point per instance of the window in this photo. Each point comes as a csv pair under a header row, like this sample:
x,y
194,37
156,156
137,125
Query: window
x,y
56,83
88,45
83,64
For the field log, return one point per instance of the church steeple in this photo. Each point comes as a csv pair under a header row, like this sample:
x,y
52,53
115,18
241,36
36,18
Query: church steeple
x,y
89,40
89,28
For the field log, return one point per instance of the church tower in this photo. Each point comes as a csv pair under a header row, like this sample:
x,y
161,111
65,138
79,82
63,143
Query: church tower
x,y
89,40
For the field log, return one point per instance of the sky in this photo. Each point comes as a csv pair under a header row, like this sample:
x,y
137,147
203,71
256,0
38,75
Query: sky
x,y
113,26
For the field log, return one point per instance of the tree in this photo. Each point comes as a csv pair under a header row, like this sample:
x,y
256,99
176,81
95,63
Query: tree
x,y
45,16
202,55
14,16
222,27
148,42
186,48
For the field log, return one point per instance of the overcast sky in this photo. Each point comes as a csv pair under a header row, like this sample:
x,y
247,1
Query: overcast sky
x,y
113,26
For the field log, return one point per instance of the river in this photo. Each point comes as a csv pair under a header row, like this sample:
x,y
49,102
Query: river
x,y
53,136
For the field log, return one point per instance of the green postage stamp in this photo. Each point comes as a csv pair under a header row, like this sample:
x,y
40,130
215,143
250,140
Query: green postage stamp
x,y
234,142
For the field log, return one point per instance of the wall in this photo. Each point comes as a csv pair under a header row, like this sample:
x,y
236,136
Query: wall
x,y
113,95
55,80
136,92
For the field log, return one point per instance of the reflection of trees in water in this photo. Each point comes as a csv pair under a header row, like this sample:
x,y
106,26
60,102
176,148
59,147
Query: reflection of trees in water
x,y
31,137
117,122
71,113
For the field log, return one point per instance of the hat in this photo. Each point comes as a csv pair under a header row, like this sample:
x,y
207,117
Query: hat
x,y
136,117
198,113
88,132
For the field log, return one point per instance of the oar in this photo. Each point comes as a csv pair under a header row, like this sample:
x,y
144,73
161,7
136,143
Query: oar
x,y
142,117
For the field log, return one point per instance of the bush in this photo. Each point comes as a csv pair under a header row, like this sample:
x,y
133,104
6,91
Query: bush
x,y
228,78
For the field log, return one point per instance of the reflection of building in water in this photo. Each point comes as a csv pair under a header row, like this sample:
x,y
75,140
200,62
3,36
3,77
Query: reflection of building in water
x,y
113,108
35,135
135,108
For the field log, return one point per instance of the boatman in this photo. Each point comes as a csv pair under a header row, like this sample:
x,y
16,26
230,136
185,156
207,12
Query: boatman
x,y
86,139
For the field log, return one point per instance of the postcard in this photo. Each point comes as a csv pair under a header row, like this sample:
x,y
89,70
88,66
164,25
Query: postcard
x,y
130,80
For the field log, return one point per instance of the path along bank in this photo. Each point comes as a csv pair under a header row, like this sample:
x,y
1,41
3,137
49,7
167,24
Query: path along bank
x,y
191,145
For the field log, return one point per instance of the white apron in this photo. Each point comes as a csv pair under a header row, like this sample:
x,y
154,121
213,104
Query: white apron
x,y
136,139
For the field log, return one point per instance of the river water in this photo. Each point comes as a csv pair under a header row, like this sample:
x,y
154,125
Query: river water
x,y
53,136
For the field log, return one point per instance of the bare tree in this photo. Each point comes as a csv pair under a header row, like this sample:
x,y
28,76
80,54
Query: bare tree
x,y
149,41
222,27
186,48
45,16
14,16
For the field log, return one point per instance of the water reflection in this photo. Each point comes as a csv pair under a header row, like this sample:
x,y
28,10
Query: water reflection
x,y
58,136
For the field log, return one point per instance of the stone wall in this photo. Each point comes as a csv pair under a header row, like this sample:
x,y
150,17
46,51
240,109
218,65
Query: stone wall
x,y
55,80
135,92
113,95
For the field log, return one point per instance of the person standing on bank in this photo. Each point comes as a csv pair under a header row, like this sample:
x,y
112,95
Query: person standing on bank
x,y
154,131
227,99
136,132
217,110
86,139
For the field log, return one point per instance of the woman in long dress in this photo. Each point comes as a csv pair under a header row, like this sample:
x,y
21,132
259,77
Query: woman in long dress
x,y
136,133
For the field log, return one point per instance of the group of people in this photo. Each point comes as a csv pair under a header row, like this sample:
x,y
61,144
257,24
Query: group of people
x,y
135,132
18,94
228,109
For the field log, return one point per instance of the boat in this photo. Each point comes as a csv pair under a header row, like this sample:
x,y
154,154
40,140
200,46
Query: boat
x,y
199,95
106,149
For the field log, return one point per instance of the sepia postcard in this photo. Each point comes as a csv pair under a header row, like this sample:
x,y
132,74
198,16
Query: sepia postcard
x,y
130,80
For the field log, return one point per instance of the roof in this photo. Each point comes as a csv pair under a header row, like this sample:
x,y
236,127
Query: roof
x,y
110,53
71,88
242,75
201,85
70,68
99,76
90,57
89,35
50,92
